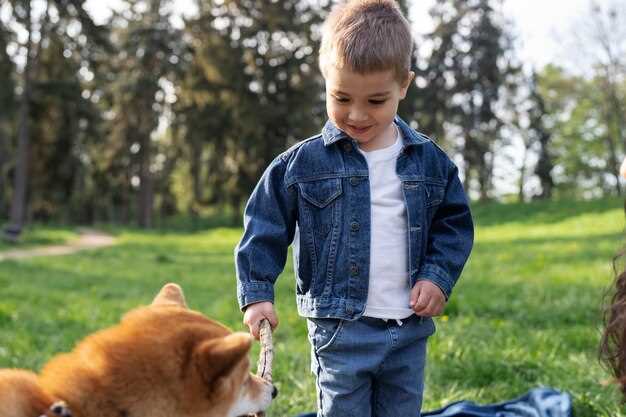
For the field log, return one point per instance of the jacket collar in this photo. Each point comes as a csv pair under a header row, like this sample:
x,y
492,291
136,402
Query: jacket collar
x,y
331,134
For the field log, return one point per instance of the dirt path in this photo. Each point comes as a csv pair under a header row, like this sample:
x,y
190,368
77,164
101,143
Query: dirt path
x,y
88,239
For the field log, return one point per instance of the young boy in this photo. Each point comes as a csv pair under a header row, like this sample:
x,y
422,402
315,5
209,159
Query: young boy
x,y
378,219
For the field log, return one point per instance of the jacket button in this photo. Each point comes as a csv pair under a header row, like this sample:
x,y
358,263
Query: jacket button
x,y
354,270
354,226
347,147
354,180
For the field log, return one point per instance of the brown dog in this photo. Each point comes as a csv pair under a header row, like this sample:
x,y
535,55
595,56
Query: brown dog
x,y
162,360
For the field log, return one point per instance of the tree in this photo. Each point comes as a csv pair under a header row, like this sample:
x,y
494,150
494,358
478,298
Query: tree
x,y
253,89
464,80
601,42
528,121
7,103
542,135
23,12
532,119
611,75
38,29
64,123
577,144
149,53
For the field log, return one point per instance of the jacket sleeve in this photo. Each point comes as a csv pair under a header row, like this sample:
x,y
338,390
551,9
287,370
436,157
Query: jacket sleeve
x,y
269,225
450,238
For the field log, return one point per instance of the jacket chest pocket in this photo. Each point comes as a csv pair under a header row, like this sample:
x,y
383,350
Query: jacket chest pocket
x,y
433,197
426,198
433,194
320,203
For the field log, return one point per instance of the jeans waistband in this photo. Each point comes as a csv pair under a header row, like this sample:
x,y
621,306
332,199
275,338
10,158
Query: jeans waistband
x,y
378,322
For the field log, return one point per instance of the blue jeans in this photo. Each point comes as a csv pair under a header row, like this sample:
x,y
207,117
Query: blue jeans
x,y
369,367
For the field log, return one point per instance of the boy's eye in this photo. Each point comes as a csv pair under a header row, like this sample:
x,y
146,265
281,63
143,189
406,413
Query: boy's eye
x,y
377,102
342,99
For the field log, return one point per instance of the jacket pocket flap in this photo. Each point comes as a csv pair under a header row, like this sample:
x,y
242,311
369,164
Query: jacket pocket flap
x,y
321,193
434,194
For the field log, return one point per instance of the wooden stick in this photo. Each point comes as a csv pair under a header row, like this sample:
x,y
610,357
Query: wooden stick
x,y
266,355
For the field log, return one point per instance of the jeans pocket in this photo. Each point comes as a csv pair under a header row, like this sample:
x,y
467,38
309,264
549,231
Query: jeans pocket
x,y
323,333
425,327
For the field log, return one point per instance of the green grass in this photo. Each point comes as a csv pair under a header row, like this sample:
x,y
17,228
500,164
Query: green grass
x,y
526,312
40,235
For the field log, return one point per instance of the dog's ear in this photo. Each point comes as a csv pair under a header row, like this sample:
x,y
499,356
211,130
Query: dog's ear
x,y
217,357
21,395
170,294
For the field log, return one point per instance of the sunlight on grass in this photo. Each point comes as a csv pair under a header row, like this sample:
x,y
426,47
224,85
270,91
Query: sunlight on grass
x,y
41,235
527,311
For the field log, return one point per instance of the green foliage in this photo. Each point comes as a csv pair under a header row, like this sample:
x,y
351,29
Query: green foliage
x,y
581,144
148,117
252,88
462,82
526,312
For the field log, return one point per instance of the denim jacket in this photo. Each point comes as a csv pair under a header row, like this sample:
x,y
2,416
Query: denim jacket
x,y
317,195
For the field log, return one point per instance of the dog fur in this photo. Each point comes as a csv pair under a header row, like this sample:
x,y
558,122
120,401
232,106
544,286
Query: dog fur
x,y
162,360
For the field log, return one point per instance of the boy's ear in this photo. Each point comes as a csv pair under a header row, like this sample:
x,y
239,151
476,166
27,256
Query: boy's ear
x,y
170,294
217,357
409,79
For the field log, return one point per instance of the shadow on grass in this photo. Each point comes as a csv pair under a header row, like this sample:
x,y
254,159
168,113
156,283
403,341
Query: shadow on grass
x,y
565,250
548,212
539,282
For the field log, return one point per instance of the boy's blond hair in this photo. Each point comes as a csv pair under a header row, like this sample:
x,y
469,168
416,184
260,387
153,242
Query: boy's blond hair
x,y
367,36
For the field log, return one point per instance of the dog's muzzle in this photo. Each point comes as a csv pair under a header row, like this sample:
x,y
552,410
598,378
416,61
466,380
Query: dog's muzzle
x,y
58,409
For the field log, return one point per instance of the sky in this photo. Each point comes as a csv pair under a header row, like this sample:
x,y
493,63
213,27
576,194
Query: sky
x,y
541,24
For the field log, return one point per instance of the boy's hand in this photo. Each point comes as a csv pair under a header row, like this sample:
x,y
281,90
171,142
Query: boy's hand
x,y
427,299
255,313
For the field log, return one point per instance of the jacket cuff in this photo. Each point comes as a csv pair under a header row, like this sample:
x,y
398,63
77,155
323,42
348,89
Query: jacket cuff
x,y
437,276
254,292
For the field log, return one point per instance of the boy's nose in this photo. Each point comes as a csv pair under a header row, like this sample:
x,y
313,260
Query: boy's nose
x,y
356,115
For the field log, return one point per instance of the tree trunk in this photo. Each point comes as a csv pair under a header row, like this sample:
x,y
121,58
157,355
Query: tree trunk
x,y
614,162
146,186
485,173
195,171
544,168
522,175
4,152
18,204
467,180
617,109
618,117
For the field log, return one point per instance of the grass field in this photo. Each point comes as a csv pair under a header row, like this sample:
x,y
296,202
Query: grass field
x,y
40,235
526,312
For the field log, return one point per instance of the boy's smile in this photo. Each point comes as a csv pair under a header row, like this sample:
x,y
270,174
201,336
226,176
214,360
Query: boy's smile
x,y
364,105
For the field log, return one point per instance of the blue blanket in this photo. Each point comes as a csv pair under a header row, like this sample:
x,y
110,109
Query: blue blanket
x,y
538,402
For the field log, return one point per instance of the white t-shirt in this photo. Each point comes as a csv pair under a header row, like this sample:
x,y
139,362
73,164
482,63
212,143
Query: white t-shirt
x,y
388,291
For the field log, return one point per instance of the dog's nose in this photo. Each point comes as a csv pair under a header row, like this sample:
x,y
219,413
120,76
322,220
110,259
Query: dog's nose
x,y
274,392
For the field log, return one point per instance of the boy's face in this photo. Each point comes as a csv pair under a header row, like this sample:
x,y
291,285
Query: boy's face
x,y
364,105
